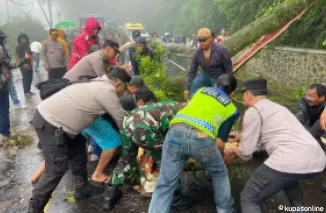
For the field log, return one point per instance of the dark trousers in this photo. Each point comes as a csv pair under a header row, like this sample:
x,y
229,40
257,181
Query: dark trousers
x,y
4,113
57,73
265,182
27,78
58,159
316,131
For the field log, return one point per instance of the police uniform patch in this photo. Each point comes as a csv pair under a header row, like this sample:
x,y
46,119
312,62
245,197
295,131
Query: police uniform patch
x,y
218,96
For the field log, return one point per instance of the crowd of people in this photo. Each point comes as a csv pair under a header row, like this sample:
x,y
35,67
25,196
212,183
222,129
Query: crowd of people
x,y
106,105
191,41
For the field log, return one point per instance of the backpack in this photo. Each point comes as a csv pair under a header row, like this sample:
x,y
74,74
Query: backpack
x,y
50,87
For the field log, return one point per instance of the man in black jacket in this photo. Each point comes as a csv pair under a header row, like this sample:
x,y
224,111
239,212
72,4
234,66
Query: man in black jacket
x,y
24,51
310,108
137,53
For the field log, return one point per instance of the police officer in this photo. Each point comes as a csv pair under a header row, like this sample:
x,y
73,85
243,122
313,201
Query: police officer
x,y
194,132
58,122
286,141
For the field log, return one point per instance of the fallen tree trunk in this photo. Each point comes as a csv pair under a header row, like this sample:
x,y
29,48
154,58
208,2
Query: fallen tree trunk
x,y
254,31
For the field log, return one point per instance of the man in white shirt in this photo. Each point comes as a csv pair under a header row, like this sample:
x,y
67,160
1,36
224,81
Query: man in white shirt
x,y
36,49
294,154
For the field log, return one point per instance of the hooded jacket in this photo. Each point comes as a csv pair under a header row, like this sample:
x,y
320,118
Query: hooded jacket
x,y
84,41
21,49
62,40
4,55
54,53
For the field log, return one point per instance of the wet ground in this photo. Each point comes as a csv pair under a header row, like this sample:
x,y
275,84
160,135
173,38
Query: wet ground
x,y
17,167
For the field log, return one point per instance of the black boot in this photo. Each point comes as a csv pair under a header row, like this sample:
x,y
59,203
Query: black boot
x,y
112,195
180,202
81,183
84,189
35,206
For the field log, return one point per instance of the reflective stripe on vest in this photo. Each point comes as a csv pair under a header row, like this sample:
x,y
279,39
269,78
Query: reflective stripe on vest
x,y
206,111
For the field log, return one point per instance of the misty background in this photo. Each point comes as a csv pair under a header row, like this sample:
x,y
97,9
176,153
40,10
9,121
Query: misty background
x,y
120,11
174,16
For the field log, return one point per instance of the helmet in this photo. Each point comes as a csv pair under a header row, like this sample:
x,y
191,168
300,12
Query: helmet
x,y
135,33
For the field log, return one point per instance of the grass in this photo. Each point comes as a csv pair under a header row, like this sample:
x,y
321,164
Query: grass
x,y
17,140
70,199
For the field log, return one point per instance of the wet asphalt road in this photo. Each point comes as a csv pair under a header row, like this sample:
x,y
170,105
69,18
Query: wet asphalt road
x,y
17,167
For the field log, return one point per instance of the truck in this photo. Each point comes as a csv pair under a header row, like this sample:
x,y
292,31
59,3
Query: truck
x,y
129,27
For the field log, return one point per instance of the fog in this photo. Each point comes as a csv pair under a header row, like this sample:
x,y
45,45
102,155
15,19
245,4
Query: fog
x,y
149,12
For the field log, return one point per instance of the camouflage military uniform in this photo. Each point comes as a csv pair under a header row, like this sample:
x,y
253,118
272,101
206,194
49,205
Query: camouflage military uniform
x,y
145,127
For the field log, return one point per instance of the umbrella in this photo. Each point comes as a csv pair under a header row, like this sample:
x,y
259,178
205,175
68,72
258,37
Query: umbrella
x,y
66,24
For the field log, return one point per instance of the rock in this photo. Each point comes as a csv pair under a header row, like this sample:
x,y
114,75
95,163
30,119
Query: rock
x,y
4,183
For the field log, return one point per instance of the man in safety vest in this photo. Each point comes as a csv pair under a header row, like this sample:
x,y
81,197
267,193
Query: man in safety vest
x,y
196,131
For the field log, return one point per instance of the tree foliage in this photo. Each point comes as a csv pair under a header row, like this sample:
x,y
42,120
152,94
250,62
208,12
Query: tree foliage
x,y
187,16
153,71
308,32
31,27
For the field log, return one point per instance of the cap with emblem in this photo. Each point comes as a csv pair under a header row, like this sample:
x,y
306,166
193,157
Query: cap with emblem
x,y
204,33
112,44
136,81
258,86
122,75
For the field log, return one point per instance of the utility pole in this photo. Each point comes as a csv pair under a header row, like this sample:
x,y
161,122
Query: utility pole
x,y
8,13
50,13
46,17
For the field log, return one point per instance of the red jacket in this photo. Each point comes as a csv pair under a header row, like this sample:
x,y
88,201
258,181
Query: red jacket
x,y
113,61
84,41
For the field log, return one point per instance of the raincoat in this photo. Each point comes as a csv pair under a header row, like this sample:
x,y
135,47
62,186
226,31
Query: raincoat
x,y
62,40
84,41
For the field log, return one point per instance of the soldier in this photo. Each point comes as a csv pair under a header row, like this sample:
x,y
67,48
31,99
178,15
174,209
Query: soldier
x,y
144,127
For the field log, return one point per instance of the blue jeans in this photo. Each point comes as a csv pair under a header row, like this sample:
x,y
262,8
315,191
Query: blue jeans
x,y
203,79
179,145
96,148
4,114
36,60
13,92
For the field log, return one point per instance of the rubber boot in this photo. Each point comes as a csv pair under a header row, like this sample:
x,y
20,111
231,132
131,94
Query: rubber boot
x,y
35,206
112,195
85,190
180,202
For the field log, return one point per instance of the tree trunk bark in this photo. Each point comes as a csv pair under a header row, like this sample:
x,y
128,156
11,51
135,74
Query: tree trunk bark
x,y
252,32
